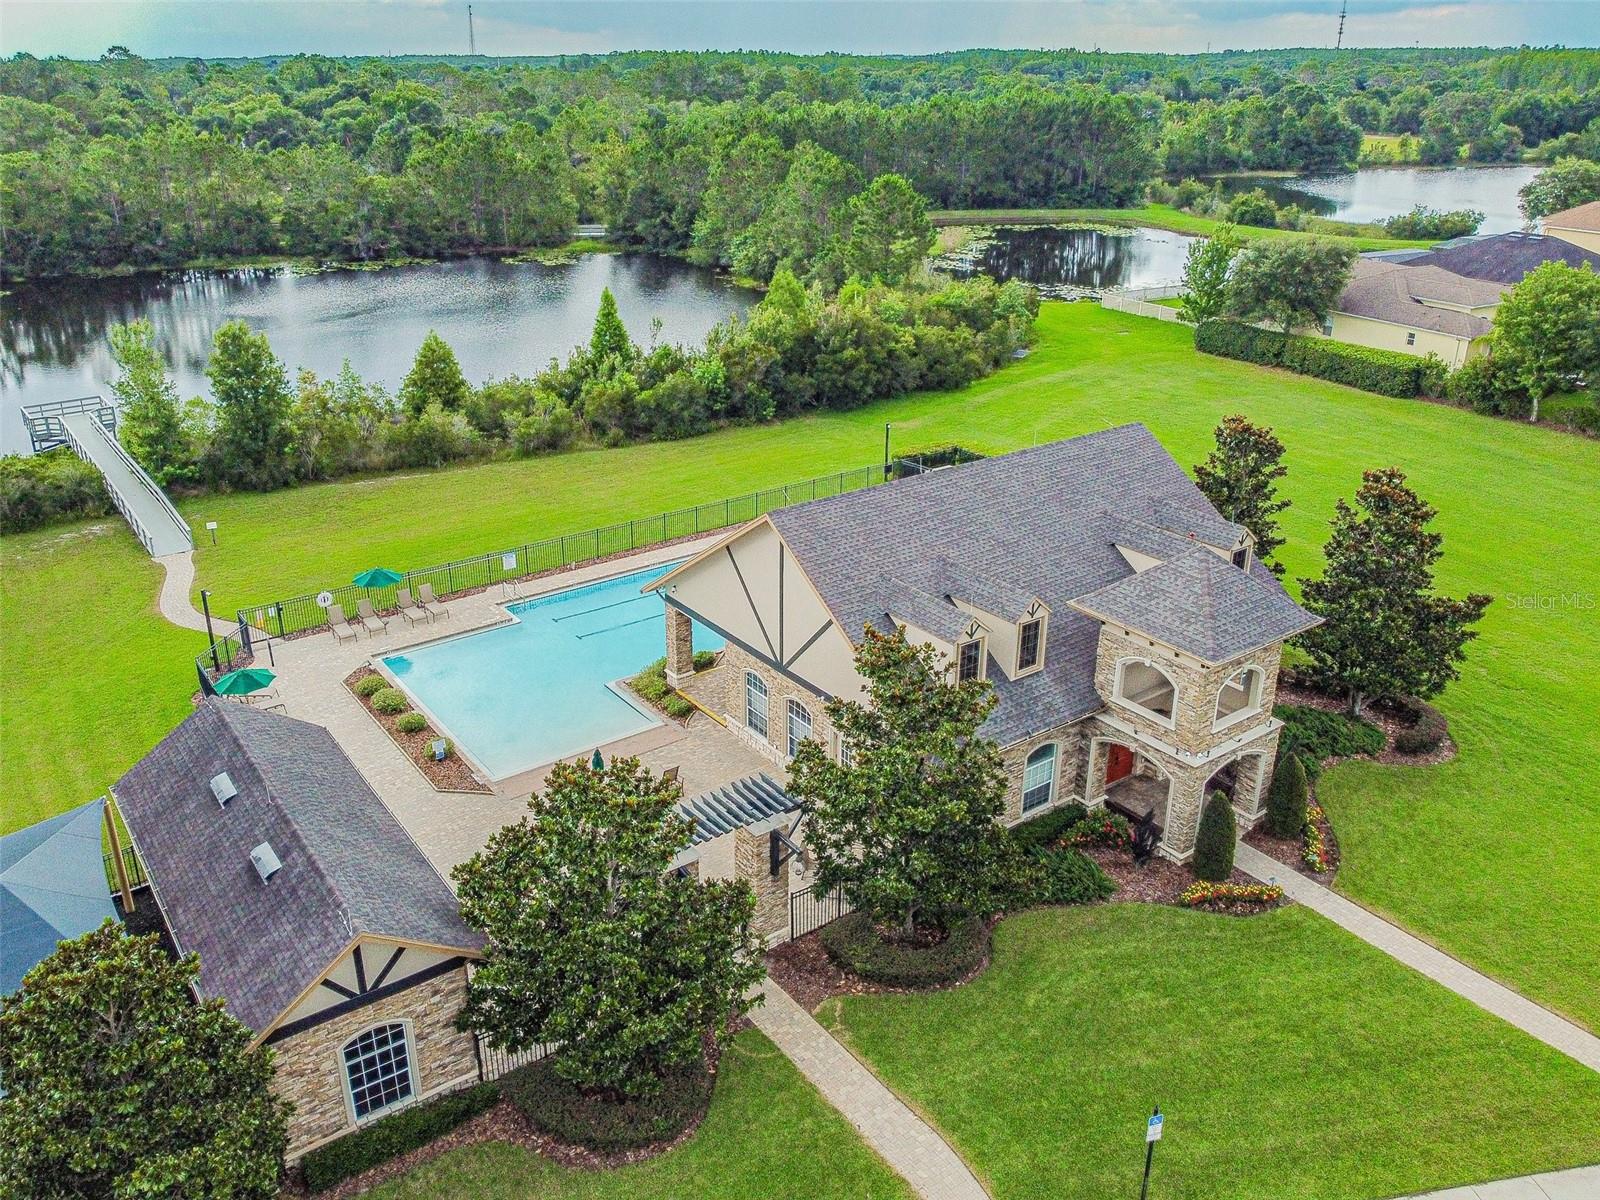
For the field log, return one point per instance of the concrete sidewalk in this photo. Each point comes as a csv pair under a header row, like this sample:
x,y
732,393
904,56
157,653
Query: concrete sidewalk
x,y
1580,1183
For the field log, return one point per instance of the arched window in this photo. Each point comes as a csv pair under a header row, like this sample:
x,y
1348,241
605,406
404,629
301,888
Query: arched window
x,y
1240,696
1145,686
377,1069
755,704
799,726
1039,778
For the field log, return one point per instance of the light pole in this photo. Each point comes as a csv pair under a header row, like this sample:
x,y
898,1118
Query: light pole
x,y
205,606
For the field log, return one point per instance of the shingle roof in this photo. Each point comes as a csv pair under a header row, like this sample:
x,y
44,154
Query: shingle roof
x,y
52,888
1202,604
737,805
1046,520
1504,257
1584,216
1394,292
349,867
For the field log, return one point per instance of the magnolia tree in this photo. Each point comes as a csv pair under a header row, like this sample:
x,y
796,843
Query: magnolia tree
x,y
1240,478
905,827
1384,631
595,942
119,1085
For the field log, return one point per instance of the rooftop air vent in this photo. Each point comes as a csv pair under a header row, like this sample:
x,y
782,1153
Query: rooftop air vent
x,y
222,788
265,860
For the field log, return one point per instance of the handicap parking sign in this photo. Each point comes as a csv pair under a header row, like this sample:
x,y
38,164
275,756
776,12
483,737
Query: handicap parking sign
x,y
1152,1131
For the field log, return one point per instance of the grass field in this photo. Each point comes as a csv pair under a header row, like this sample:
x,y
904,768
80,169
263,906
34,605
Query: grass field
x,y
1491,855
768,1134
1156,216
1291,1061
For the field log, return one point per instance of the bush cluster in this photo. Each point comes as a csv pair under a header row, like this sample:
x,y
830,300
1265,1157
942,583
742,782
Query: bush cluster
x,y
393,1136
704,660
1316,734
1428,727
411,722
1068,876
371,684
1046,831
1429,224
54,486
1382,371
556,1107
853,942
389,701
651,684
1103,828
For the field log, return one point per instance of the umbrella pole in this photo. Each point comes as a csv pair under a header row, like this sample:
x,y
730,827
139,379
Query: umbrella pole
x,y
109,813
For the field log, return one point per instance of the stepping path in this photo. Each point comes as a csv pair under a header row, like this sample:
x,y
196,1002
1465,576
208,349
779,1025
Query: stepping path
x,y
1580,1183
1454,974
906,1142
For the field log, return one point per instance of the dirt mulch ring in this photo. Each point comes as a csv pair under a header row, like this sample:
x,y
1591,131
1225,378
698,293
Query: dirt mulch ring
x,y
1385,718
451,775
1290,851
1158,881
803,969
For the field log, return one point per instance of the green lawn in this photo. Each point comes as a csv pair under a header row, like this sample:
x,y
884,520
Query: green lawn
x,y
1292,1062
768,1134
1492,856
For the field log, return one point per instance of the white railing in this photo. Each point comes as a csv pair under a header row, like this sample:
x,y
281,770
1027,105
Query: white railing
x,y
1137,302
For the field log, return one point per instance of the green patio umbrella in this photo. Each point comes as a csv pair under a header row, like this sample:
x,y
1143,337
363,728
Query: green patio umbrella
x,y
597,763
244,681
377,577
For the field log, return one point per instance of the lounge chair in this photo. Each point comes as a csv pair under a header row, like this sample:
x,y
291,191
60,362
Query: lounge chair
x,y
373,622
340,624
410,609
429,603
670,775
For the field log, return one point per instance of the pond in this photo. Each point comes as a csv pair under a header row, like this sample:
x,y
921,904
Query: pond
x,y
1378,192
1069,262
500,318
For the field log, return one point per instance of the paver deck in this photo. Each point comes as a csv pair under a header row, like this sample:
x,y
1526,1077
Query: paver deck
x,y
1580,1183
906,1142
1454,974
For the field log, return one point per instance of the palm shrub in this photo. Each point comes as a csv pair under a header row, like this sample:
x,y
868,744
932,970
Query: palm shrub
x,y
1286,801
1213,846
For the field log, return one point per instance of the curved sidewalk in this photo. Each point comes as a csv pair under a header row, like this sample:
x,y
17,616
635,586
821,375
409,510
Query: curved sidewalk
x,y
1454,974
905,1141
174,599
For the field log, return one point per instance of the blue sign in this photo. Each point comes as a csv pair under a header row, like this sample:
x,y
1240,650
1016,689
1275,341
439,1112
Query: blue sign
x,y
1152,1132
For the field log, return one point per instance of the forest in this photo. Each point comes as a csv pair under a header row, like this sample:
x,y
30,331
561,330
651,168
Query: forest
x,y
129,163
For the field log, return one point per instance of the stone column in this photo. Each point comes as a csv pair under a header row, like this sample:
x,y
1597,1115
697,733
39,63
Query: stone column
x,y
1254,778
680,647
1184,801
752,856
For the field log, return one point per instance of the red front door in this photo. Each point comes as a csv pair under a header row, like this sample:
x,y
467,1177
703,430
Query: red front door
x,y
1119,764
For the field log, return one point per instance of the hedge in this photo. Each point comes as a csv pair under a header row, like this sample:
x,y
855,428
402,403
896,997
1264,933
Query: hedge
x,y
853,943
1316,734
53,486
1383,371
407,1130
1048,829
1428,727
561,1109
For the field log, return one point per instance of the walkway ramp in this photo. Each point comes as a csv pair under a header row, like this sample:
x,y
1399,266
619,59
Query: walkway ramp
x,y
155,521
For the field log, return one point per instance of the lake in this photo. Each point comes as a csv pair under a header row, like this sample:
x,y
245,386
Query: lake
x,y
1374,193
1067,262
500,318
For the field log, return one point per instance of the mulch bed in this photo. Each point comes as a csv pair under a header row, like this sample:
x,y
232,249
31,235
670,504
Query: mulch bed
x,y
1158,881
1381,715
451,775
1290,851
803,969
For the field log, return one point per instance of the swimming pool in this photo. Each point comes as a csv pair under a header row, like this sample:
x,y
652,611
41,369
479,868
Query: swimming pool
x,y
524,694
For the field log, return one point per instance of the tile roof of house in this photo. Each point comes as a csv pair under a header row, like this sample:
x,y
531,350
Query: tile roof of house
x,y
349,868
1584,216
1048,520
1394,292
1503,258
736,805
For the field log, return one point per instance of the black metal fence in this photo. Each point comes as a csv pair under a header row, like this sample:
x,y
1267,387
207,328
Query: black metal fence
x,y
136,875
809,912
281,618
494,1063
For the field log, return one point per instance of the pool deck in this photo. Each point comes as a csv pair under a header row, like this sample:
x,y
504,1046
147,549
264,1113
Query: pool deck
x,y
450,827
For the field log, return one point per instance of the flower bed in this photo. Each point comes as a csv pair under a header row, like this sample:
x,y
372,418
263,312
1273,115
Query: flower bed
x,y
1317,854
1103,828
451,775
1232,897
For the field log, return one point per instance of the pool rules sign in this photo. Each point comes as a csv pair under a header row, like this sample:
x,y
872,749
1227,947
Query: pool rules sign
x,y
1152,1135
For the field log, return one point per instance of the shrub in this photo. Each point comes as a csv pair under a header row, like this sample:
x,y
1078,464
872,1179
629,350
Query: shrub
x,y
1316,734
1103,828
1286,801
1428,727
1485,385
366,687
1213,845
1574,411
411,722
1068,876
1253,208
1050,828
853,942
1382,371
1205,894
677,707
389,701
54,486
1430,224
704,660
392,1136
561,1109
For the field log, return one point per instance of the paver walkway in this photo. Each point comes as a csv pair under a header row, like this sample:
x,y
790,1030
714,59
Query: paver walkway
x,y
1419,956
906,1142
174,600
1580,1183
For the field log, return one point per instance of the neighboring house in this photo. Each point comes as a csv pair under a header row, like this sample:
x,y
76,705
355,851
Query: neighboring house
x,y
1580,226
1502,258
1415,308
316,917
1131,638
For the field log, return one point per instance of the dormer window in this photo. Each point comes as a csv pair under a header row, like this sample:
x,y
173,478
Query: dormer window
x,y
1030,642
1241,558
969,660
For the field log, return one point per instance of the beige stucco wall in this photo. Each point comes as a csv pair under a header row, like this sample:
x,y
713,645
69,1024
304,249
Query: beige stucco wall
x,y
1381,335
374,956
1587,239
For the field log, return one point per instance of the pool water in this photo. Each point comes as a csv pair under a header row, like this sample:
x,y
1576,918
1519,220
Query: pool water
x,y
524,694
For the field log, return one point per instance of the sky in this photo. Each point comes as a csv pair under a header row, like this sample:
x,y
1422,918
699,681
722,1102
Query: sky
x,y
229,28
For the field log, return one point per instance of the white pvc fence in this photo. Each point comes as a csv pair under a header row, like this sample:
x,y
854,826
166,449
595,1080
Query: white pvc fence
x,y
1137,302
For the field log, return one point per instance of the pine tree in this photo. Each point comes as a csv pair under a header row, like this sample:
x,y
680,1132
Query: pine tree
x,y
1384,631
254,440
149,417
435,378
1288,796
610,336
1213,844
1240,478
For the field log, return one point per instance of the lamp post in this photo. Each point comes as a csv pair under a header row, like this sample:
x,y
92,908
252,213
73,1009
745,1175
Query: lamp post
x,y
205,606
886,449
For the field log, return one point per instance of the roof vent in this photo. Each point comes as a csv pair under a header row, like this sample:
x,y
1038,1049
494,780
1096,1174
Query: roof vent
x,y
222,788
265,860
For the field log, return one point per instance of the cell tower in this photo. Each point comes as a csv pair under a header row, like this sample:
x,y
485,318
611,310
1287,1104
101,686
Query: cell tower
x,y
472,38
1338,42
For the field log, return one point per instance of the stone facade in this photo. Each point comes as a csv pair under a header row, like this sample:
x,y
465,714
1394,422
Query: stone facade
x,y
729,689
680,647
1071,742
752,856
310,1065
